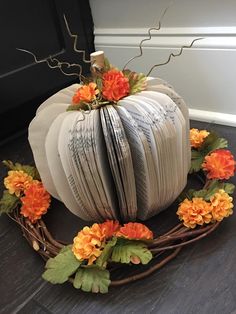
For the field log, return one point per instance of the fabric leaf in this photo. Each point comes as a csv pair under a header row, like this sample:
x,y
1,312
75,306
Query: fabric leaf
x,y
196,162
92,279
30,170
213,142
214,187
8,202
106,253
61,267
137,81
126,250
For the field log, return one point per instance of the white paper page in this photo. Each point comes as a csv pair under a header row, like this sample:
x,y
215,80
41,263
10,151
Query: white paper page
x,y
125,160
62,96
56,168
181,142
141,156
64,148
38,130
102,167
114,165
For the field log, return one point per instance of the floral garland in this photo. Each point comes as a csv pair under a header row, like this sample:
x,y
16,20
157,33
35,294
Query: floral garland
x,y
86,263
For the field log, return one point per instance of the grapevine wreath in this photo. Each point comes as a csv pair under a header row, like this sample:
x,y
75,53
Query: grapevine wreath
x,y
97,251
102,248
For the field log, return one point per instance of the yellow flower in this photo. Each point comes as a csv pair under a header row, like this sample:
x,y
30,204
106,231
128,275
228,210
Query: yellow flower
x,y
222,205
195,212
17,181
88,243
197,137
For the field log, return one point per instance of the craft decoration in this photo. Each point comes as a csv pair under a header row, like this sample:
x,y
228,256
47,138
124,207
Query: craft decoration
x,y
89,262
115,148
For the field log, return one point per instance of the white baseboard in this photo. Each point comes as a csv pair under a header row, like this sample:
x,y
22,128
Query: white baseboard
x,y
213,117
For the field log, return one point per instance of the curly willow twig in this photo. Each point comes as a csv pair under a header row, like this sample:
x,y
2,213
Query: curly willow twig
x,y
58,64
149,35
62,64
75,38
173,55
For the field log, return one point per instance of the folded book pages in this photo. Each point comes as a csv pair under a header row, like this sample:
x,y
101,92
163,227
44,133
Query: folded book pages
x,y
128,159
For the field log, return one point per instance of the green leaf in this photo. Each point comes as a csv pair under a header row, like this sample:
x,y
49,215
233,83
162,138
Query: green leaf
x,y
106,253
201,193
107,65
30,170
213,142
196,164
125,250
8,202
61,267
214,187
92,279
228,187
137,81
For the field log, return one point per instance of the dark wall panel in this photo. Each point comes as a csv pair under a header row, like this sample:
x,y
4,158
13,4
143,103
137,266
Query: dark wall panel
x,y
37,26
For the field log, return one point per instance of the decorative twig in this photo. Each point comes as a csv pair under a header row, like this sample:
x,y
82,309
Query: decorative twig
x,y
147,272
149,36
58,65
75,38
173,55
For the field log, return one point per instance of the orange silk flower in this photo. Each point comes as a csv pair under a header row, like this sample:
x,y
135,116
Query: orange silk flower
x,y
221,205
17,181
35,202
85,93
114,85
109,228
88,243
197,137
220,164
135,231
195,212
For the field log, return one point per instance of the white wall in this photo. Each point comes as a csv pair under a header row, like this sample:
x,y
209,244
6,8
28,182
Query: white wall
x,y
204,75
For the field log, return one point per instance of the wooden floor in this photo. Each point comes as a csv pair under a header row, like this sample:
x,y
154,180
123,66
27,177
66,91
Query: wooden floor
x,y
202,279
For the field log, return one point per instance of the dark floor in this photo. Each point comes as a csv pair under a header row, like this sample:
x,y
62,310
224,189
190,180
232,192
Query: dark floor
x,y
202,279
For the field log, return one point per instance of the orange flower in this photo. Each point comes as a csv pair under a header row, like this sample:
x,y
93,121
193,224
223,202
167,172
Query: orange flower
x,y
195,212
109,228
220,164
17,181
85,93
197,137
221,205
88,243
35,202
135,231
114,85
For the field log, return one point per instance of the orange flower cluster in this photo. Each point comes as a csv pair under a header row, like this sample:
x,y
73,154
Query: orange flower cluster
x,y
35,199
194,212
17,181
85,93
135,231
198,211
35,202
197,137
90,241
222,205
114,85
220,164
